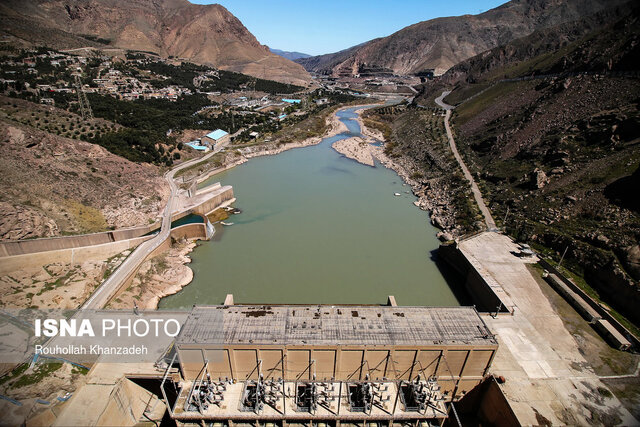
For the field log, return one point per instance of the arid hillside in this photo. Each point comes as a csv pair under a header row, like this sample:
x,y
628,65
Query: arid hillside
x,y
550,126
52,185
206,34
441,43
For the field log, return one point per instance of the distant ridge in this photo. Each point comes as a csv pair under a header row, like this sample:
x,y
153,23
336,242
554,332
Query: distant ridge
x,y
441,43
292,56
206,34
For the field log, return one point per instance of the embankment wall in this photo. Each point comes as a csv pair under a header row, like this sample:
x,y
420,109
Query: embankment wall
x,y
594,305
213,203
483,296
78,255
23,247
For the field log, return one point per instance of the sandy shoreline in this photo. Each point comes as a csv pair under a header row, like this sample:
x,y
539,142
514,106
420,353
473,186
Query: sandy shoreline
x,y
356,148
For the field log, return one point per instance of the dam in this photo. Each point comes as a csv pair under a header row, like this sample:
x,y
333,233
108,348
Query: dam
x,y
318,228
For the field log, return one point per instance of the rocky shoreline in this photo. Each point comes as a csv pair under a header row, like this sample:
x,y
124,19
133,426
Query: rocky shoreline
x,y
431,193
430,196
157,278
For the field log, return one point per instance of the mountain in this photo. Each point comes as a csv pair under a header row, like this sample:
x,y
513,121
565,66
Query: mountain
x,y
440,43
291,56
206,34
550,126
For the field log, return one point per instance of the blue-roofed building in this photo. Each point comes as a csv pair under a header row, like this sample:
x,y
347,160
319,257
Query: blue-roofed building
x,y
196,146
216,137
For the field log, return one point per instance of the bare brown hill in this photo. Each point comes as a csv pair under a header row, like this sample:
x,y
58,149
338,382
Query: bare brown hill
x,y
443,42
52,185
206,34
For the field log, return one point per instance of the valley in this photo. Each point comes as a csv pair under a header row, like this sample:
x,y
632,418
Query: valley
x,y
476,172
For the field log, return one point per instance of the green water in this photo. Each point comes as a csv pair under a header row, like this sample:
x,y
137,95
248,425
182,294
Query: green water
x,y
317,227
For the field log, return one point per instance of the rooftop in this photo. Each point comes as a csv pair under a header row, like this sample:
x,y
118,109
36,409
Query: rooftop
x,y
334,325
217,134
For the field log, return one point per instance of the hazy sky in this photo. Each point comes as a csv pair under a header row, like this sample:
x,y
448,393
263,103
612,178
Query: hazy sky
x,y
316,27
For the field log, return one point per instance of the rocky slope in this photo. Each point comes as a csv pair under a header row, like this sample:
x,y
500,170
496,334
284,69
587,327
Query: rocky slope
x,y
417,149
52,185
206,34
550,125
443,42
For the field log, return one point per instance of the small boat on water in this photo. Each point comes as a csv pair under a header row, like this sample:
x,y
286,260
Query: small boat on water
x,y
226,223
396,194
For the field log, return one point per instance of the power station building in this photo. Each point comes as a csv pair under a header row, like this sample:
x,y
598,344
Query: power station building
x,y
326,364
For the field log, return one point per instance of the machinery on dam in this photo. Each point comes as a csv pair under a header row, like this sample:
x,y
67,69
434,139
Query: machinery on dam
x,y
325,364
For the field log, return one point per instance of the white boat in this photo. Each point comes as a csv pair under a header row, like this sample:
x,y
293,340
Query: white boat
x,y
396,194
226,223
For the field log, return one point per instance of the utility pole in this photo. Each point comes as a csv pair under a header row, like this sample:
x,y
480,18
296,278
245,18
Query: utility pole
x,y
85,108
562,257
233,126
504,221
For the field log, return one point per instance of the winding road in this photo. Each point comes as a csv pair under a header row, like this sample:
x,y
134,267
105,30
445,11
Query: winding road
x,y
110,286
488,219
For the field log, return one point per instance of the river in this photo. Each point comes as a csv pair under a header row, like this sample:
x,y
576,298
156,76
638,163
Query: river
x,y
317,227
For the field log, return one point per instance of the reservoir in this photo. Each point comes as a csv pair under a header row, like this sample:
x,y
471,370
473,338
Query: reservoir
x,y
318,228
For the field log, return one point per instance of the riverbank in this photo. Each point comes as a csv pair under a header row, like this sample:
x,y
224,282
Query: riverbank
x,y
157,278
169,273
355,148
433,193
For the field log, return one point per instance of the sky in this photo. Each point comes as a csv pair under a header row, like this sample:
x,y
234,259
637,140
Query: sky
x,y
316,27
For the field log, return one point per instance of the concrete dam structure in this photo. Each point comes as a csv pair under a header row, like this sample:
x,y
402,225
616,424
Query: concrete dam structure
x,y
320,363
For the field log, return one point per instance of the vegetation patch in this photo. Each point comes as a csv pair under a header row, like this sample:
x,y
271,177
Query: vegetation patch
x,y
88,218
41,371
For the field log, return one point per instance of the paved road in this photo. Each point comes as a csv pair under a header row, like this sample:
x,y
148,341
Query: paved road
x,y
488,219
109,287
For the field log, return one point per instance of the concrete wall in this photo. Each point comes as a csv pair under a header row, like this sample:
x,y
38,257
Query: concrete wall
x,y
68,256
212,203
22,247
98,246
602,312
459,368
190,231
483,296
207,206
485,405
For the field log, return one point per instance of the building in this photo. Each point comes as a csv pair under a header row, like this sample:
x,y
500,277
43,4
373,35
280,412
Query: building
x,y
332,364
197,146
211,139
